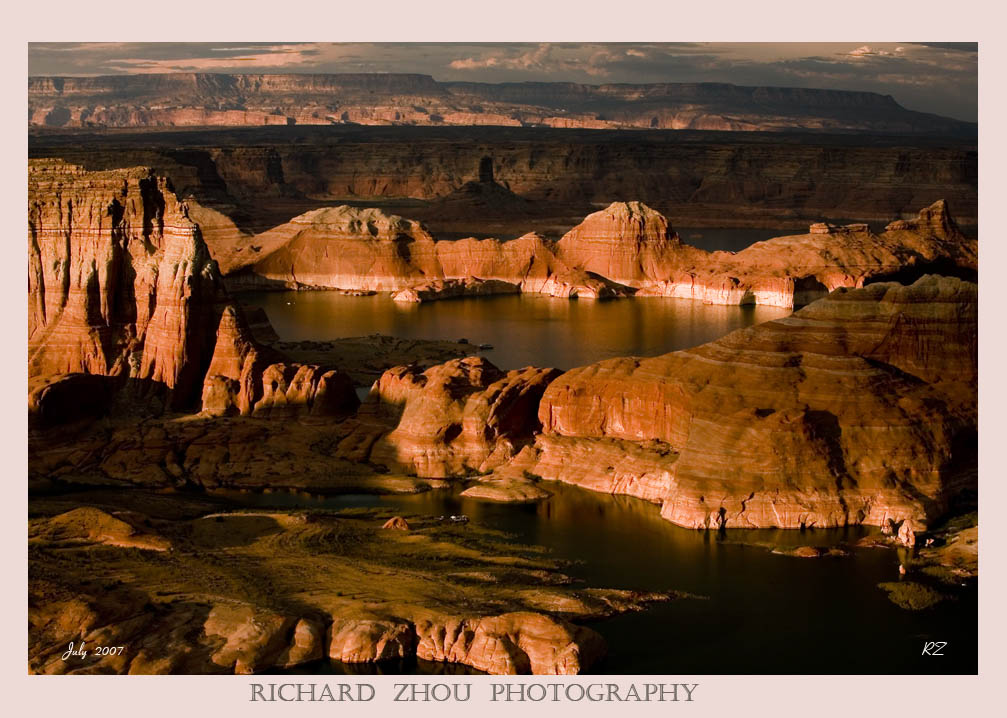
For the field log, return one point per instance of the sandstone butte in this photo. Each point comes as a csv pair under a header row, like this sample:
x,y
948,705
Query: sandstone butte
x,y
123,295
625,249
857,409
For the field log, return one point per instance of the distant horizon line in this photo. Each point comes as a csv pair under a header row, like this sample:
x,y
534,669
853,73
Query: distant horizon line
x,y
457,82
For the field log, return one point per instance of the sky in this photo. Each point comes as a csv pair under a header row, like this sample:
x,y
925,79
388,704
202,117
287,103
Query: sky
x,y
929,77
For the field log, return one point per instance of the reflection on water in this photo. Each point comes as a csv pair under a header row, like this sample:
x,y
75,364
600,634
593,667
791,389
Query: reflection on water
x,y
760,612
524,330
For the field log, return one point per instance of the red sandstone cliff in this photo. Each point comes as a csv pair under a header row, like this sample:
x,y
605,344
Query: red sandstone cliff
x,y
120,282
122,285
860,408
624,249
855,409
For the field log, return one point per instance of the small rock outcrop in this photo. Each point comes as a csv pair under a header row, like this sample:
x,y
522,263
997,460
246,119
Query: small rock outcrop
x,y
451,288
396,523
245,378
464,415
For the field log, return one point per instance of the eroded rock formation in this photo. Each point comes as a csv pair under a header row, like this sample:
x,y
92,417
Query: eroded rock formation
x,y
191,99
261,178
246,378
120,282
349,248
860,408
123,295
624,249
631,244
461,416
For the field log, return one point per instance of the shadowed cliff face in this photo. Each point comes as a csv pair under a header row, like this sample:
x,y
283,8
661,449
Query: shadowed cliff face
x,y
124,295
261,178
120,282
187,99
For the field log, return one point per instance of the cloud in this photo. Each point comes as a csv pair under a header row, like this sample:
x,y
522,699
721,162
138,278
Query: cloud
x,y
276,57
868,51
545,58
932,77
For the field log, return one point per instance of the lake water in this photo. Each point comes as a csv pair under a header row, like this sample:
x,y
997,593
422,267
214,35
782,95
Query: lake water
x,y
523,329
759,612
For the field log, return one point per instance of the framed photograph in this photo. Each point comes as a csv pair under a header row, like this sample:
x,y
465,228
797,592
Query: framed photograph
x,y
359,364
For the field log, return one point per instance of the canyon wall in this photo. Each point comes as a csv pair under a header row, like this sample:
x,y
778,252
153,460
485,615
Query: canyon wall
x,y
735,179
120,282
194,99
122,286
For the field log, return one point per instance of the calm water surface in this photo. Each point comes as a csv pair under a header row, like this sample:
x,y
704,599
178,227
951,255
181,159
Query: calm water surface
x,y
760,612
524,330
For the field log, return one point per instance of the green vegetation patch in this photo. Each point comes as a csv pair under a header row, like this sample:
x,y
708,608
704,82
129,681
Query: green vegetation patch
x,y
912,596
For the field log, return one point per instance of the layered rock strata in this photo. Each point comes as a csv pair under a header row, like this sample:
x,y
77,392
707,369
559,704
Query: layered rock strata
x,y
633,245
193,99
261,178
350,248
624,249
120,282
123,295
858,409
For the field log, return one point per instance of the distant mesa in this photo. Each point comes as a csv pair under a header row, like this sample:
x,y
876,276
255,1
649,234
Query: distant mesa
x,y
193,100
